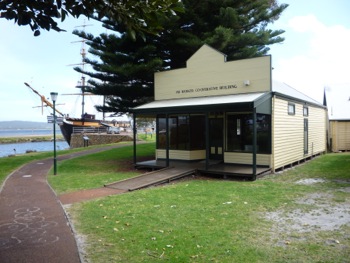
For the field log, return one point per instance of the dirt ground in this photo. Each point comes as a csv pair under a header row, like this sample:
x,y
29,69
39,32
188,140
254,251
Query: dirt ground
x,y
319,211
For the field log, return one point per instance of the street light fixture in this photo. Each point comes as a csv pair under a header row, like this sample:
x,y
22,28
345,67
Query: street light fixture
x,y
54,98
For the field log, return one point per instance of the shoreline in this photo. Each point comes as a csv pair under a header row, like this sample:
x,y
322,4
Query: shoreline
x,y
30,138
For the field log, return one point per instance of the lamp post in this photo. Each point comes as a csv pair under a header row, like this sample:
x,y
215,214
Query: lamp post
x,y
54,98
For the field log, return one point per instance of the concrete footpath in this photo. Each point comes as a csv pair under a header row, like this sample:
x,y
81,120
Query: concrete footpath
x,y
33,224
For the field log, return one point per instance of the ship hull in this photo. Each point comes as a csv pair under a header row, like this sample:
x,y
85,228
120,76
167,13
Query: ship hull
x,y
70,126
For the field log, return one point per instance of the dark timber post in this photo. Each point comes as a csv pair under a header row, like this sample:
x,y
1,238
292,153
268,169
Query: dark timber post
x,y
254,144
134,131
167,139
207,141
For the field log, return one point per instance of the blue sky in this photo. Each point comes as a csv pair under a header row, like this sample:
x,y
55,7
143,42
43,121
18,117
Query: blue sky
x,y
314,55
45,63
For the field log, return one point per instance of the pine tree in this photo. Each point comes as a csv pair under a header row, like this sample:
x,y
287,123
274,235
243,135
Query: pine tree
x,y
126,66
123,73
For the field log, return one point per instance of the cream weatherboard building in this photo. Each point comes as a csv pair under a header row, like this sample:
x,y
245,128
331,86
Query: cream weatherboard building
x,y
337,99
232,112
339,131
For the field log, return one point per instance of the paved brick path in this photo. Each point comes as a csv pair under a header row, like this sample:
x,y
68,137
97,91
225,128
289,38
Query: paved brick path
x,y
33,225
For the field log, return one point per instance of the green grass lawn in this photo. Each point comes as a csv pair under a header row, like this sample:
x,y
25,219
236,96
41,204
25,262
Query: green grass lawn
x,y
149,137
10,164
209,220
39,138
98,169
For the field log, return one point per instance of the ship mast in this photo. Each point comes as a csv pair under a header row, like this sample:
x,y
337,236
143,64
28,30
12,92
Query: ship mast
x,y
43,99
81,84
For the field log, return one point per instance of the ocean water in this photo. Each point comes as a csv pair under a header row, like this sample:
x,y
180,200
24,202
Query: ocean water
x,y
21,148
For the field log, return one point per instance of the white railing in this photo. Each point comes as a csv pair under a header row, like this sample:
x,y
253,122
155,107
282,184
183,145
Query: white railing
x,y
89,130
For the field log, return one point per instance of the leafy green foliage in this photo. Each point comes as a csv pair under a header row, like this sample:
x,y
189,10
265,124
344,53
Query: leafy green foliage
x,y
123,68
137,16
126,70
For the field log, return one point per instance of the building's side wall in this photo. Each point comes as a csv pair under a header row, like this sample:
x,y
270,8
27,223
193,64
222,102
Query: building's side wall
x,y
317,130
247,158
181,155
340,134
333,130
288,133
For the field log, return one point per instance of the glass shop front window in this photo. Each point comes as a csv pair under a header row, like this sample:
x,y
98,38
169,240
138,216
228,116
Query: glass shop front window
x,y
186,132
240,133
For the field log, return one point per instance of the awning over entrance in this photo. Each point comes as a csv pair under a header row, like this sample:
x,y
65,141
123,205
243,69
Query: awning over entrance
x,y
202,103
258,102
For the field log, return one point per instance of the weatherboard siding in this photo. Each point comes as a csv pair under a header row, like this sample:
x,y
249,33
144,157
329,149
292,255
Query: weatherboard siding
x,y
317,131
208,74
340,134
181,155
288,133
247,158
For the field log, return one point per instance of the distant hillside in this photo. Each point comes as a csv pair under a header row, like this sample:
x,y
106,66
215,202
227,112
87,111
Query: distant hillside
x,y
5,125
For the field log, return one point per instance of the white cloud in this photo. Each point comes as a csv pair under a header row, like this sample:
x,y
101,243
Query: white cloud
x,y
305,23
326,42
323,59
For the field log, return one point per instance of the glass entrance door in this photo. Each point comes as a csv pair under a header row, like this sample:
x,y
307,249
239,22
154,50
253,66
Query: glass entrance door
x,y
216,138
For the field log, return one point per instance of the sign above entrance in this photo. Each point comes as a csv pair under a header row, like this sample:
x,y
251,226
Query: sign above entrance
x,y
209,74
217,88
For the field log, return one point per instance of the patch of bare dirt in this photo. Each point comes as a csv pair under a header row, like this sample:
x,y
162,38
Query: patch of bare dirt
x,y
324,215
317,212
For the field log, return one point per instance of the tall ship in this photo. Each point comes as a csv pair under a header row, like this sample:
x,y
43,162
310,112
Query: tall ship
x,y
86,123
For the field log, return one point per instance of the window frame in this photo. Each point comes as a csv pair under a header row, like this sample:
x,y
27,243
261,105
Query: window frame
x,y
237,138
289,107
183,133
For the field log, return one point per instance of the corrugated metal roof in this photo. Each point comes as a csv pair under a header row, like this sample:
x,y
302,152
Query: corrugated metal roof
x,y
285,89
338,102
199,101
